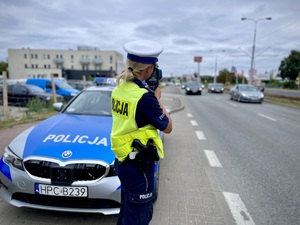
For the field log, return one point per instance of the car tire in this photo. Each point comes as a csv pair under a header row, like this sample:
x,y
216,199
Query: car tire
x,y
239,99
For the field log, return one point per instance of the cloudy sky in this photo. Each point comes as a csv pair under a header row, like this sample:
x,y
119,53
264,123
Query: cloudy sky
x,y
212,29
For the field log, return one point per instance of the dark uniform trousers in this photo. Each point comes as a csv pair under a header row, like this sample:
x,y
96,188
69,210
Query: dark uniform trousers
x,y
137,190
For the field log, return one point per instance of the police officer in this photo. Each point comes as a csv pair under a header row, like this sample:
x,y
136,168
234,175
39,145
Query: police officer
x,y
137,115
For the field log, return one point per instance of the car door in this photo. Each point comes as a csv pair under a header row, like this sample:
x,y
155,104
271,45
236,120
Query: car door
x,y
20,95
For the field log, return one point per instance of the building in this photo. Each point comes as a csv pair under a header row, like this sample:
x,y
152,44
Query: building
x,y
68,64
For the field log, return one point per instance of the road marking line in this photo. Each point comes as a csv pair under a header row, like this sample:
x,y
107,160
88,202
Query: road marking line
x,y
194,123
212,158
238,209
235,105
189,115
270,118
200,135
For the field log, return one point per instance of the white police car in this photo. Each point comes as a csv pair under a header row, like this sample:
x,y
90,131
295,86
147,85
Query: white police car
x,y
65,163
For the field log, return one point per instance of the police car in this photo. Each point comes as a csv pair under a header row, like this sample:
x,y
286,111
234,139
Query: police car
x,y
65,163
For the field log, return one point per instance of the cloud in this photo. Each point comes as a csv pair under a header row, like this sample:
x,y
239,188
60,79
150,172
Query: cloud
x,y
185,29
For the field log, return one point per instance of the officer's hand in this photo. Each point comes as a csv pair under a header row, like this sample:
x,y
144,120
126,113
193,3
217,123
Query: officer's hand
x,y
157,93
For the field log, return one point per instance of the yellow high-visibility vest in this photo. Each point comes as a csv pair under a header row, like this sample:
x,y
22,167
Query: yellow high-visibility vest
x,y
124,99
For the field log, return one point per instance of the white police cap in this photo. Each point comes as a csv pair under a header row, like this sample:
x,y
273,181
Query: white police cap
x,y
143,51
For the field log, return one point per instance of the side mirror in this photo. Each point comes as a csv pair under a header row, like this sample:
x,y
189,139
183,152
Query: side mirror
x,y
58,106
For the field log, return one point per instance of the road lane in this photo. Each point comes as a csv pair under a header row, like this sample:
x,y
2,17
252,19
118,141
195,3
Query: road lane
x,y
260,157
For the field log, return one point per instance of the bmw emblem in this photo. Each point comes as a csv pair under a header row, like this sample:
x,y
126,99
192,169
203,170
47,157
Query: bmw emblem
x,y
66,154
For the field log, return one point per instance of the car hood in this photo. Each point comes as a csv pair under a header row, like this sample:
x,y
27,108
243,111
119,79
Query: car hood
x,y
85,137
252,93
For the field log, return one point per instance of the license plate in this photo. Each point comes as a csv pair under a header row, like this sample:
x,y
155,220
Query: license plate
x,y
66,191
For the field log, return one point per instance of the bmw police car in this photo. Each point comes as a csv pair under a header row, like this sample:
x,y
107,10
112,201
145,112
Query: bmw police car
x,y
65,163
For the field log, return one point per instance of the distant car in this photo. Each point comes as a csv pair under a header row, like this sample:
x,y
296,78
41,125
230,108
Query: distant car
x,y
78,84
183,85
21,94
65,162
246,93
260,87
193,87
215,88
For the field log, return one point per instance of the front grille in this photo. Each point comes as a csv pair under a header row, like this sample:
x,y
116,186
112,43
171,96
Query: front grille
x,y
69,202
68,173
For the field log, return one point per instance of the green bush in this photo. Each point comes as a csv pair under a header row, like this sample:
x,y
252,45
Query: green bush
x,y
37,105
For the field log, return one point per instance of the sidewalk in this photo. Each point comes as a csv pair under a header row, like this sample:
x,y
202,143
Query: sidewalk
x,y
188,191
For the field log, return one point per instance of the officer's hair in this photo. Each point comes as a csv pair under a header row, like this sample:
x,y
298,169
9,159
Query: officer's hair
x,y
133,69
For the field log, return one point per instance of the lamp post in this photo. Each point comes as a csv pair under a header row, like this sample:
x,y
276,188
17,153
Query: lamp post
x,y
216,63
253,47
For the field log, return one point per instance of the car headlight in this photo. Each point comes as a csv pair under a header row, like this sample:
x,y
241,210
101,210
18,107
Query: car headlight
x,y
188,89
12,159
244,95
73,94
212,89
200,89
222,89
261,95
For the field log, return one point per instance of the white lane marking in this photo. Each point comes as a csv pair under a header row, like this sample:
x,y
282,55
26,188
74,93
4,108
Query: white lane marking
x,y
270,118
194,123
235,105
212,158
238,209
189,115
200,135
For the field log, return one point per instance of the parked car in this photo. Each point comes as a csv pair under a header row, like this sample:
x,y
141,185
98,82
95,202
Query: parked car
x,y
215,88
78,84
65,162
21,94
193,87
61,86
246,93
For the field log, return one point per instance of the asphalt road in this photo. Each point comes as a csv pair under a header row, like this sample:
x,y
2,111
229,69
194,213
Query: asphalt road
x,y
257,146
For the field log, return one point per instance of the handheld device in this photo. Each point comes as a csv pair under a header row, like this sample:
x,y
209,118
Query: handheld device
x,y
153,80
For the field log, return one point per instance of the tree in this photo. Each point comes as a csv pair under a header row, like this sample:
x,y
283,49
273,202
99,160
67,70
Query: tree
x,y
3,66
290,67
225,77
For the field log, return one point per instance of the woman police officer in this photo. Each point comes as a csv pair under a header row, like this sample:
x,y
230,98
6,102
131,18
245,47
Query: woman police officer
x,y
137,114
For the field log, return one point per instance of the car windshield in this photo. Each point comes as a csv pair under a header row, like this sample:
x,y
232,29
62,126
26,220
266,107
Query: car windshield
x,y
64,85
91,103
248,88
35,89
194,84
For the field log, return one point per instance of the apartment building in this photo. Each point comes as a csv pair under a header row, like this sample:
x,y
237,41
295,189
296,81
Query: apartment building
x,y
69,64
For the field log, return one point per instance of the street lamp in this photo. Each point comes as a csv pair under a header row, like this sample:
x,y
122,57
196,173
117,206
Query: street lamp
x,y
253,48
216,63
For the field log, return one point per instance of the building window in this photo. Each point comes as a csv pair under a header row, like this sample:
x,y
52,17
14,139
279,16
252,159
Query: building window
x,y
36,66
111,59
72,58
32,66
32,56
26,66
25,56
36,56
48,56
49,66
45,66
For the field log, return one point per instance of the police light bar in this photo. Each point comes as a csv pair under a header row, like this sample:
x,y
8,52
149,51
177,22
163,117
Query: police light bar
x,y
105,81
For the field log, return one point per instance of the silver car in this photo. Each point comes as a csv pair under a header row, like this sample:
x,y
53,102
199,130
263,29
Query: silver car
x,y
246,93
